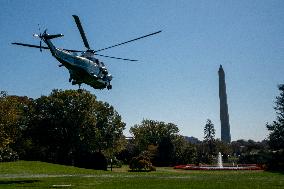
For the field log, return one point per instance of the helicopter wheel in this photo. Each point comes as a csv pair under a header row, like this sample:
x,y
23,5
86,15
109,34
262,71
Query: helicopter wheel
x,y
109,87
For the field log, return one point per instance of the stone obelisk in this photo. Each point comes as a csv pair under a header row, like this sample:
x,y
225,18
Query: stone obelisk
x,y
224,115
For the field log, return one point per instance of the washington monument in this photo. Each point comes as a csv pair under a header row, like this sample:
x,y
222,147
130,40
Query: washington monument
x,y
224,115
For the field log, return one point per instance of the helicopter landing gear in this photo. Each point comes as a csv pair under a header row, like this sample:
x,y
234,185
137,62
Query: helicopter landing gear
x,y
80,90
77,83
74,82
109,87
71,78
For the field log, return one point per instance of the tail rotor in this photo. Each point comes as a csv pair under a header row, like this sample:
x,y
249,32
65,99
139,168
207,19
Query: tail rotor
x,y
40,36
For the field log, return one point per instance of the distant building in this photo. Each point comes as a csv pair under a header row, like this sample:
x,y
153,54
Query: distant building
x,y
224,114
192,139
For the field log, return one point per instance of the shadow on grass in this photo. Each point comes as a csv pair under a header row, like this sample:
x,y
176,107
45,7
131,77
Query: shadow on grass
x,y
18,181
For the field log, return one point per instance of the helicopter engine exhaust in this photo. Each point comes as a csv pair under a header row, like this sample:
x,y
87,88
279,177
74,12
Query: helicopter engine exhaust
x,y
53,36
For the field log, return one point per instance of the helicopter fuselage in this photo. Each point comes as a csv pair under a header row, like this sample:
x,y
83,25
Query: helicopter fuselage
x,y
83,69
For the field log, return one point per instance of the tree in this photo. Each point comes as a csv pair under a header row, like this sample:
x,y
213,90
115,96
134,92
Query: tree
x,y
185,151
159,134
12,117
224,148
69,125
276,133
209,131
151,132
13,122
276,129
209,147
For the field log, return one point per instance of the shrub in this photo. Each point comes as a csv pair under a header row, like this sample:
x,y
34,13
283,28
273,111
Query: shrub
x,y
141,163
7,154
115,163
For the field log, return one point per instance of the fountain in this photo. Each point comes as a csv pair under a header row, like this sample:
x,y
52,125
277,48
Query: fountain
x,y
219,166
220,162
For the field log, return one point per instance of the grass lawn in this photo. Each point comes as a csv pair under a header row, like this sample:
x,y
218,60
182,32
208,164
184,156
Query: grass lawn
x,y
25,174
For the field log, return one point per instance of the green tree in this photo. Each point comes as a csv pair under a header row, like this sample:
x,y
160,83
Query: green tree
x,y
209,131
159,134
208,152
151,132
68,124
185,152
276,133
276,129
224,148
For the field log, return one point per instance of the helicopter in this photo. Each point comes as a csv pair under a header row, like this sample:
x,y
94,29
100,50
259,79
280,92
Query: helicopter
x,y
83,68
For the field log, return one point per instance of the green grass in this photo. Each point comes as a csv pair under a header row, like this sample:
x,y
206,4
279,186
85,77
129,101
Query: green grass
x,y
25,174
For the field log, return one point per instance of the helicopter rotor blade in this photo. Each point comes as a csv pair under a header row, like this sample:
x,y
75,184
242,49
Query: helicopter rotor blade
x,y
116,57
71,50
43,47
29,45
79,26
129,41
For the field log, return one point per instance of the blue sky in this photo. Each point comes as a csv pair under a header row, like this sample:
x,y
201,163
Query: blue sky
x,y
176,78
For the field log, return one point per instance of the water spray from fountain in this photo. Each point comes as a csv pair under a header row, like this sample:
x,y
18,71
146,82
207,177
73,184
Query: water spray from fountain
x,y
220,162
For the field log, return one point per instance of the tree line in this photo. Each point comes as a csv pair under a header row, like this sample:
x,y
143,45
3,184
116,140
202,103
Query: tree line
x,y
66,127
72,127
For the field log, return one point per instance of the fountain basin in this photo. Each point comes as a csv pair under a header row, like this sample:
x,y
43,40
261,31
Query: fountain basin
x,y
212,167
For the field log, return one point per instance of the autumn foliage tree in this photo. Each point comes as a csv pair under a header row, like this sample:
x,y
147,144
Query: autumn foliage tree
x,y
13,121
12,117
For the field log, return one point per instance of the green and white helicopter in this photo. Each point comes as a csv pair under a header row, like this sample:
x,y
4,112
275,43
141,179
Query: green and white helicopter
x,y
84,68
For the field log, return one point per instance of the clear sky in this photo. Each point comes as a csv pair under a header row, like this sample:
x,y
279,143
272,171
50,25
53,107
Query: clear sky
x,y
176,78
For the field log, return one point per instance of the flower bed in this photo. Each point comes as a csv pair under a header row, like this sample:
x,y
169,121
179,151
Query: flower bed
x,y
212,167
